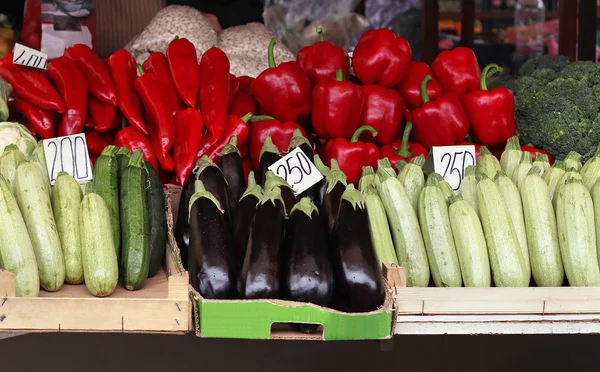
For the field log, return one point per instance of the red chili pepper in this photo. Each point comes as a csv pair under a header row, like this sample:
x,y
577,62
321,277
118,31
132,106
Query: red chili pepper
x,y
410,87
492,113
442,122
33,87
7,60
104,116
457,71
236,126
124,72
403,149
247,164
245,84
135,140
214,90
234,86
383,111
183,64
264,126
100,84
283,91
243,103
352,155
381,58
467,143
535,151
322,60
189,127
71,84
337,107
163,134
157,64
96,141
41,119
30,126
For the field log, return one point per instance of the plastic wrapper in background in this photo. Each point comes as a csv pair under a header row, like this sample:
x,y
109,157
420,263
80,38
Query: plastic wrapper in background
x,y
5,91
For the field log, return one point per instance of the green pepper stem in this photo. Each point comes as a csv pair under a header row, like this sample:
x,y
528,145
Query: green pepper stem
x,y
140,70
246,117
424,95
360,131
256,118
403,150
339,75
271,54
320,33
488,72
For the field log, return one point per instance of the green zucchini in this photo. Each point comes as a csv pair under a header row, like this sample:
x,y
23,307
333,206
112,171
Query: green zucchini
x,y
38,157
404,225
31,191
123,154
106,184
9,161
384,164
412,178
573,160
522,169
367,178
468,187
577,235
66,201
444,186
470,243
100,266
157,218
506,258
134,224
511,157
595,194
512,199
540,225
571,173
16,251
542,162
488,163
553,176
590,173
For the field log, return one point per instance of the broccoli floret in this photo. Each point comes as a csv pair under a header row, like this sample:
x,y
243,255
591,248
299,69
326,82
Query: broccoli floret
x,y
577,93
543,62
585,71
545,75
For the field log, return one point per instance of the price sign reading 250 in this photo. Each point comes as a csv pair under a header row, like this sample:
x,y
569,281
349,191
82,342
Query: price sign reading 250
x,y
68,154
451,161
297,170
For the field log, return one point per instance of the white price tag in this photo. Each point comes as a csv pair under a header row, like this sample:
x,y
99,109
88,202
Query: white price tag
x,y
68,154
297,170
450,162
26,56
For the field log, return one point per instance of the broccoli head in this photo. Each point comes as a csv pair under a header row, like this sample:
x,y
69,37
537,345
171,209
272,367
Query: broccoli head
x,y
585,71
544,62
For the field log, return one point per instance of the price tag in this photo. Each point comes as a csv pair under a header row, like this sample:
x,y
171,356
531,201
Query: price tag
x,y
68,154
26,56
297,170
450,162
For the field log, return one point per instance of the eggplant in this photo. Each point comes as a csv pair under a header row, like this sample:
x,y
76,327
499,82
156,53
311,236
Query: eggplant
x,y
230,162
242,219
287,194
336,185
261,270
357,275
299,141
211,264
214,181
269,155
320,187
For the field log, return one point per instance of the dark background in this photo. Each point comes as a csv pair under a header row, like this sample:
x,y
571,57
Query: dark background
x,y
119,352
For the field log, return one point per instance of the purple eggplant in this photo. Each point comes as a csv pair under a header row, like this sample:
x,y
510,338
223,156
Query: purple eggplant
x,y
230,162
287,194
336,185
269,155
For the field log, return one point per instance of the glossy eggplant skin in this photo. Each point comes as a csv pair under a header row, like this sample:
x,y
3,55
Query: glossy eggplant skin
x,y
242,221
260,278
215,183
211,265
314,191
266,160
331,205
233,171
357,275
182,225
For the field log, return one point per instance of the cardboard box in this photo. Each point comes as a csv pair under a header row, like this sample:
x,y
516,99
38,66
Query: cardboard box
x,y
271,319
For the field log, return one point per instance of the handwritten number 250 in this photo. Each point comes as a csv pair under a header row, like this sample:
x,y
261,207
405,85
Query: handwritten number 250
x,y
450,161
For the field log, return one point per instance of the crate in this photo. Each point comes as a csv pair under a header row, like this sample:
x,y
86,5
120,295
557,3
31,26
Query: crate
x,y
161,306
272,319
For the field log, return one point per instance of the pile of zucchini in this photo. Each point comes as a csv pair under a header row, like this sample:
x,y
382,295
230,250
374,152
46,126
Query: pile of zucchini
x,y
73,233
514,222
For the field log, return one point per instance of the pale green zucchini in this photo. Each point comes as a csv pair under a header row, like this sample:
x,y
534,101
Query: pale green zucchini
x,y
541,161
511,157
468,187
553,176
522,169
590,173
38,157
487,163
444,186
412,178
10,160
573,160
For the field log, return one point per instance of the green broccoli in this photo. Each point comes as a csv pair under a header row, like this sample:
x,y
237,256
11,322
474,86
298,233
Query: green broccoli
x,y
585,71
544,62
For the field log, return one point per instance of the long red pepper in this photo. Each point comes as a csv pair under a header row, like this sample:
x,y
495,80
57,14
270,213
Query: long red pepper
x,y
214,91
135,140
183,64
96,141
189,127
236,126
33,87
157,64
39,118
234,86
99,82
124,72
104,116
71,84
149,89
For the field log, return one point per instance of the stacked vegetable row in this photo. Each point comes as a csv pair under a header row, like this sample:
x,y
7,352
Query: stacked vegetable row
x,y
51,235
513,219
264,242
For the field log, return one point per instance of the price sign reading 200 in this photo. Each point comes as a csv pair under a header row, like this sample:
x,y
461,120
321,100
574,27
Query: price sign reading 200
x,y
68,154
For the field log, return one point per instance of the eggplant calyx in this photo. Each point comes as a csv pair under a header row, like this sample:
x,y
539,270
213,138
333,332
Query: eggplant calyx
x,y
321,166
305,206
253,188
272,196
269,146
354,197
297,140
272,180
334,176
231,147
201,192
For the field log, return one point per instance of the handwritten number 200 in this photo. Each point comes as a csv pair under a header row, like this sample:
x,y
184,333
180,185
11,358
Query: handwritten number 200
x,y
59,162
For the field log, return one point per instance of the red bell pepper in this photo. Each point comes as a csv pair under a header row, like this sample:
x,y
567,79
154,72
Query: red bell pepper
x,y
245,83
236,126
283,91
381,58
457,71
467,143
410,87
243,103
183,64
96,141
403,149
214,91
322,60
534,151
189,127
163,134
442,122
265,126
99,82
71,84
32,86
383,111
124,72
352,155
234,86
158,65
104,116
492,113
337,107
134,140
41,119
